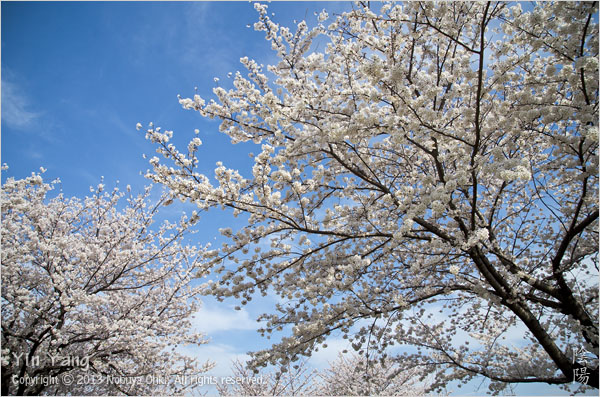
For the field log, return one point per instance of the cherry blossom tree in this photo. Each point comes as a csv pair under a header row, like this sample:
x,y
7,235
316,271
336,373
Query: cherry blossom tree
x,y
288,380
95,299
346,376
428,173
361,376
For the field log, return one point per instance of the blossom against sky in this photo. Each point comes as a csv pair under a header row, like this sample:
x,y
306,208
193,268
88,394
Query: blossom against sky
x,y
78,76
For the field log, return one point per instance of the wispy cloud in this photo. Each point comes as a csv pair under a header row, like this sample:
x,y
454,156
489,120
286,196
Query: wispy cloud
x,y
199,47
197,12
325,356
222,319
221,356
16,106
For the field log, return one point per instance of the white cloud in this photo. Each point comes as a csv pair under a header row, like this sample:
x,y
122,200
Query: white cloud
x,y
222,356
325,356
222,319
16,111
197,13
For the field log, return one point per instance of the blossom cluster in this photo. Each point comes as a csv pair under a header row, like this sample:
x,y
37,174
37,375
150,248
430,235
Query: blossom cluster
x,y
95,281
430,156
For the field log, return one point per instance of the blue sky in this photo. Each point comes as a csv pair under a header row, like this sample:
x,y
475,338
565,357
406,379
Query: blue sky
x,y
78,76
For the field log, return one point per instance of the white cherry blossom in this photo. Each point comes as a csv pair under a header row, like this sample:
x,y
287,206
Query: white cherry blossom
x,y
445,153
94,295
